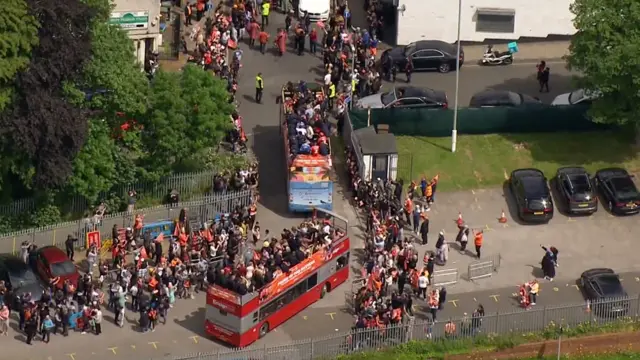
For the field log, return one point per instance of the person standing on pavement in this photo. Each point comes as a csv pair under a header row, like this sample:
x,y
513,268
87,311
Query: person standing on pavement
x,y
434,302
188,14
463,238
544,79
402,280
259,88
313,41
263,38
266,9
442,297
416,219
424,229
332,95
69,245
4,320
423,283
534,288
477,241
408,69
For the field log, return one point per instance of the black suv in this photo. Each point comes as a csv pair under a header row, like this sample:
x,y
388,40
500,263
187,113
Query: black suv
x,y
530,190
575,189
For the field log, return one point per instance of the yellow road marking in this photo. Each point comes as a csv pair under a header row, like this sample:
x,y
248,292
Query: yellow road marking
x,y
154,344
305,317
621,279
571,220
72,356
133,347
474,299
637,279
454,302
331,315
487,228
195,339
505,225
555,289
515,294
113,350
495,297
576,286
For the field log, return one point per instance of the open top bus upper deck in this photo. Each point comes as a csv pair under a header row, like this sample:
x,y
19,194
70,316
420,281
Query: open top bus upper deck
x,y
298,155
240,305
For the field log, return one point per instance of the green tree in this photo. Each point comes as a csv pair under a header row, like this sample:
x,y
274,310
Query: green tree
x,y
18,35
189,113
605,51
113,76
94,169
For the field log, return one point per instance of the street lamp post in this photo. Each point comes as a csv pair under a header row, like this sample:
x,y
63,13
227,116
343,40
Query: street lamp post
x,y
454,132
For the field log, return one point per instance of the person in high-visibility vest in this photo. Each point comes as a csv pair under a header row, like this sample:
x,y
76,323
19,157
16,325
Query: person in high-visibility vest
x,y
266,9
332,95
259,88
478,238
434,184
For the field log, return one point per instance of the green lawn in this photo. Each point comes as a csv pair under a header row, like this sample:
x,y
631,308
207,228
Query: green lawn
x,y
486,160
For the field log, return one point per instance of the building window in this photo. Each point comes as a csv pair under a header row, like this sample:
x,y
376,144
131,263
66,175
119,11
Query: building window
x,y
495,20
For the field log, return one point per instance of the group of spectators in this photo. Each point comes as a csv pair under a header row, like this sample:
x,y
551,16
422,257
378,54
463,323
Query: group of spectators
x,y
266,260
306,119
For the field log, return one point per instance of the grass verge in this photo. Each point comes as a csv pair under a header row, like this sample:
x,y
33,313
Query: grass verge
x,y
442,348
485,160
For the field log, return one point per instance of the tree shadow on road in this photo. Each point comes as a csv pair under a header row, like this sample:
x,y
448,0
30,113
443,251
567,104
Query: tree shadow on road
x,y
268,147
558,84
194,323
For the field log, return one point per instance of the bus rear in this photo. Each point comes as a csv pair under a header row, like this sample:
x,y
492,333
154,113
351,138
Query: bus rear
x,y
310,184
240,320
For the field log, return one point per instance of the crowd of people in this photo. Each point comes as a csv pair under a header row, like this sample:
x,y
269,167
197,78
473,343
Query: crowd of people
x,y
306,119
140,276
266,260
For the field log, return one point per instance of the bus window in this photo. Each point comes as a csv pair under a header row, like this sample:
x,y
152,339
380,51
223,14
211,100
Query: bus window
x,y
283,300
342,261
255,317
313,281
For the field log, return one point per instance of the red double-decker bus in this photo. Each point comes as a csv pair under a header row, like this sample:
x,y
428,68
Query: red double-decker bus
x,y
240,320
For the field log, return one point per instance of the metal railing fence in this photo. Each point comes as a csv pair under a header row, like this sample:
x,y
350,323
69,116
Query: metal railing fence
x,y
205,208
189,185
520,322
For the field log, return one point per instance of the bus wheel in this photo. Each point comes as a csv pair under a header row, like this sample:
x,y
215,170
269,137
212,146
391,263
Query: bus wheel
x,y
264,329
325,289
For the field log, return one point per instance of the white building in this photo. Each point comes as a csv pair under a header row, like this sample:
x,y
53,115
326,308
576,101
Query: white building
x,y
482,19
141,20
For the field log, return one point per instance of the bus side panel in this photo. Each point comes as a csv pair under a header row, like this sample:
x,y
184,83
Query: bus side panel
x,y
293,308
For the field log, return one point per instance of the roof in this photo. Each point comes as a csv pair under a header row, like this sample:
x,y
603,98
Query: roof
x,y
436,44
53,254
372,143
521,173
503,95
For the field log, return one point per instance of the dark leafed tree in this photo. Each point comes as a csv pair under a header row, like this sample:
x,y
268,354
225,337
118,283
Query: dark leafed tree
x,y
42,124
605,51
18,35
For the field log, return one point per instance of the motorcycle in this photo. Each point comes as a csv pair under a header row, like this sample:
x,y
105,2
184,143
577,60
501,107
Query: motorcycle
x,y
491,57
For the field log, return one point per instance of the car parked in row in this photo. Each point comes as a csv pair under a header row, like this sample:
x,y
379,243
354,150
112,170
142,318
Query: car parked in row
x,y
405,97
501,98
576,191
618,191
531,193
53,265
426,55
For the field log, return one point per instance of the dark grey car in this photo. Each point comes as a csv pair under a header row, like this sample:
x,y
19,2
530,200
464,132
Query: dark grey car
x,y
19,279
577,192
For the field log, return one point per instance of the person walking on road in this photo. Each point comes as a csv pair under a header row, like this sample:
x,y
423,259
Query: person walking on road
x,y
534,288
434,303
423,283
408,69
478,239
259,88
424,229
188,14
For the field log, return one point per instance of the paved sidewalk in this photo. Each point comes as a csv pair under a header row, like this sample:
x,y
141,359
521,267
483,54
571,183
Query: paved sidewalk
x,y
529,51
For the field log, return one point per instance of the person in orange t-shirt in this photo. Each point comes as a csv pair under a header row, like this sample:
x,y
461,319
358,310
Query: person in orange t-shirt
x,y
263,38
478,238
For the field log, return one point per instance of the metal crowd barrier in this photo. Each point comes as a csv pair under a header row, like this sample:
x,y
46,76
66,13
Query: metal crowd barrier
x,y
484,268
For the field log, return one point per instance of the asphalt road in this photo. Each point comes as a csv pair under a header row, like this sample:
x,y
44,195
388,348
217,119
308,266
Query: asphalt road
x,y
184,331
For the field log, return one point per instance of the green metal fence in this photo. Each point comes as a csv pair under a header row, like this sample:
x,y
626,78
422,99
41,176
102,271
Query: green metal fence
x,y
624,310
207,207
439,123
191,186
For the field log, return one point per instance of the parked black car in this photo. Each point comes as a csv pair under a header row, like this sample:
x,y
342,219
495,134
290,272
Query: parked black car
x,y
425,55
405,97
602,287
575,189
501,98
19,279
532,195
618,191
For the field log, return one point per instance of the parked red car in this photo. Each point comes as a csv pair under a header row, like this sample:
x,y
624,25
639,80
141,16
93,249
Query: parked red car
x,y
52,263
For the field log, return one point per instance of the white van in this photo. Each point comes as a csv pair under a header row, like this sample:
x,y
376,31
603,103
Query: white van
x,y
318,10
